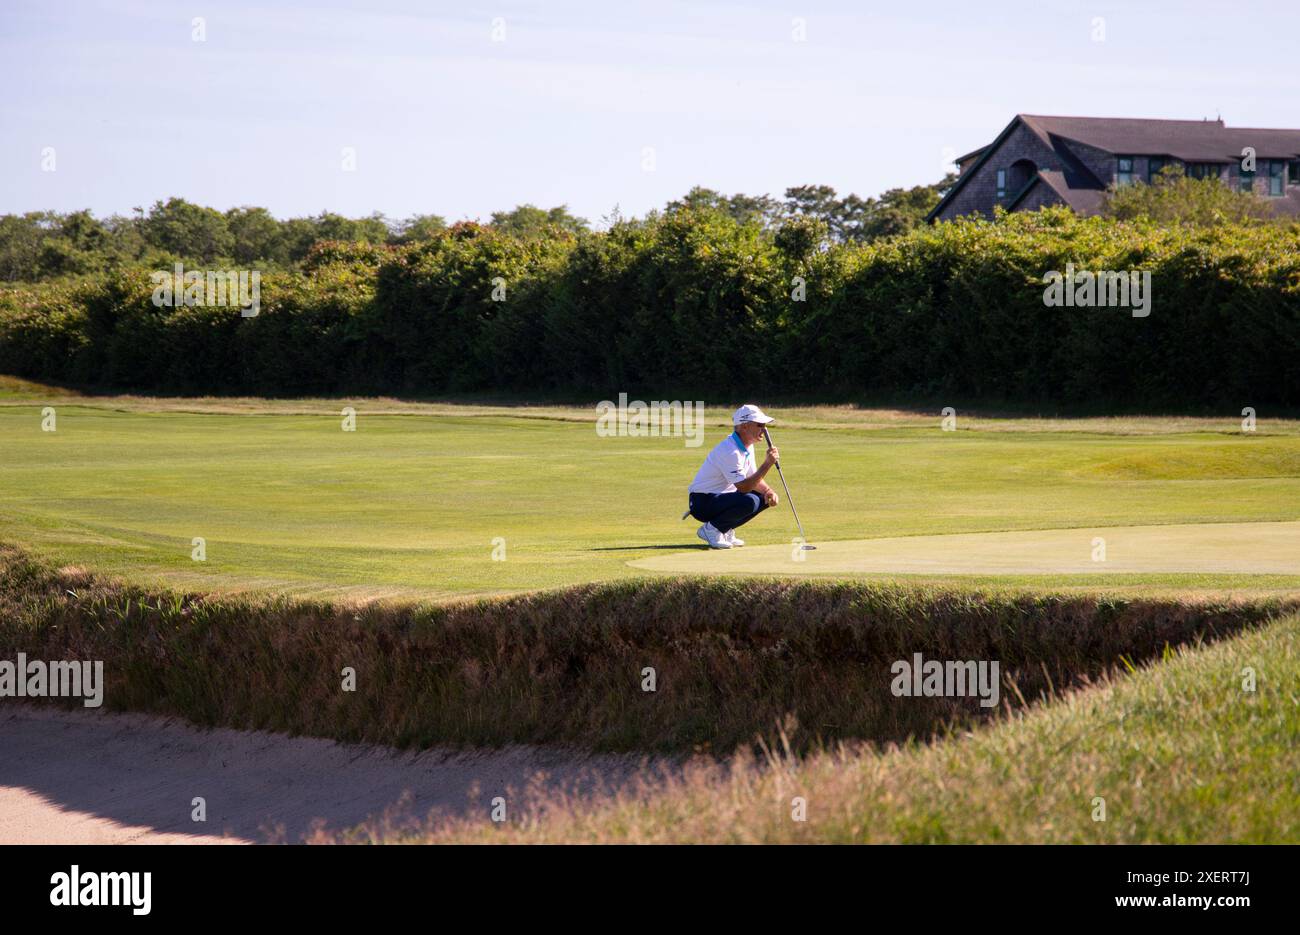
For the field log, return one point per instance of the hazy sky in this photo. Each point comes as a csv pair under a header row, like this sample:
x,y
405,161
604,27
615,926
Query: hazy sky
x,y
445,120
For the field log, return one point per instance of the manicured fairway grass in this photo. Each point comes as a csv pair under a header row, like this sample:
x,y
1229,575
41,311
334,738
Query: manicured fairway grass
x,y
1244,548
412,501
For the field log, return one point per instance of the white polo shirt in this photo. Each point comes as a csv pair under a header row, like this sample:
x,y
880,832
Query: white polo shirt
x,y
729,461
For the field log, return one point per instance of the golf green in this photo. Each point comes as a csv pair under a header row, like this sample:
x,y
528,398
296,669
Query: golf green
x,y
441,500
1234,548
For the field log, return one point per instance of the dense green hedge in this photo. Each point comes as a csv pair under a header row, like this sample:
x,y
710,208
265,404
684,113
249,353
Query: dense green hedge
x,y
694,303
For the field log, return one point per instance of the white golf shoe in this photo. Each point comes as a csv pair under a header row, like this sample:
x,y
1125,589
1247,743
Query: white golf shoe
x,y
715,539
731,537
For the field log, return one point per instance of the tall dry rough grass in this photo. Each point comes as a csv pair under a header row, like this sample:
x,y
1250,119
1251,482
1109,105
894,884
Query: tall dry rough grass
x,y
732,658
1180,751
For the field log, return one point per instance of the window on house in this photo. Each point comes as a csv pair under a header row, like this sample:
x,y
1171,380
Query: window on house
x,y
1293,171
1203,170
1124,172
1002,183
1247,180
1153,169
1275,179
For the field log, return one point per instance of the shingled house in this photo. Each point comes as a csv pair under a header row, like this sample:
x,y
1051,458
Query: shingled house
x,y
1038,161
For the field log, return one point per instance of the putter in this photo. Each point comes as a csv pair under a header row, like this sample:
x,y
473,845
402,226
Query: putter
x,y
789,499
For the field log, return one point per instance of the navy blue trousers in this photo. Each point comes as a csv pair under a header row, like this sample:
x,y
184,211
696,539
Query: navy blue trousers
x,y
726,511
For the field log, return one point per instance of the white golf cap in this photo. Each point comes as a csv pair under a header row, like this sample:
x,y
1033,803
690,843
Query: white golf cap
x,y
750,413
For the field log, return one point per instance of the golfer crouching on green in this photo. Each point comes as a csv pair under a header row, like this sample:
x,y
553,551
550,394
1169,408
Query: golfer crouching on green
x,y
728,490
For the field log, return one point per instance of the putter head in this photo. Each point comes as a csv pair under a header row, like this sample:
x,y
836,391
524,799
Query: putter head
x,y
808,548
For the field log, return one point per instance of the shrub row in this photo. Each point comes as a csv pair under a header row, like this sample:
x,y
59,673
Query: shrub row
x,y
696,303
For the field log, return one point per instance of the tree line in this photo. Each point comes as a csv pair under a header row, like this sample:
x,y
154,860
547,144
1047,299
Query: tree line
x,y
44,245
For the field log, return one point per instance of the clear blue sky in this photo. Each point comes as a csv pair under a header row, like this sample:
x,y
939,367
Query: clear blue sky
x,y
445,120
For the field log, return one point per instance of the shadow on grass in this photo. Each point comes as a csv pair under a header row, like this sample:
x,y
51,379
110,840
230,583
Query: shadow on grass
x,y
646,548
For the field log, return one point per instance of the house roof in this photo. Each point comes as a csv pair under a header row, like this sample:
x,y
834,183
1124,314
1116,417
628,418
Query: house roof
x,y
1084,199
970,155
1078,187
1188,140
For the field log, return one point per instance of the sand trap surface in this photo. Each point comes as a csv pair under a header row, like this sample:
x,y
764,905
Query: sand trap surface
x,y
90,777
1238,548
